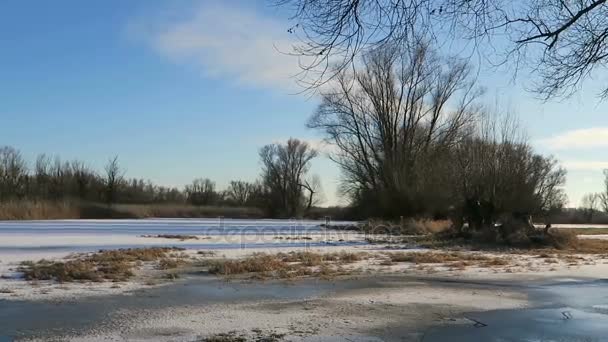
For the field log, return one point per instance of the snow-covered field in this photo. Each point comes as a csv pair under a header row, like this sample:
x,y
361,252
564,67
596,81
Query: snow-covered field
x,y
34,240
89,235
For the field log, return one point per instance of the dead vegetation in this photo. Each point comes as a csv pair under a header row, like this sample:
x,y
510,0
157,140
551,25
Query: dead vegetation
x,y
257,336
173,236
459,259
52,210
403,227
110,265
38,210
533,242
586,231
286,265
293,238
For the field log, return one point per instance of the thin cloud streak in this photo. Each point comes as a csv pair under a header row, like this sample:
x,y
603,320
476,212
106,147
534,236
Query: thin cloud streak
x,y
585,165
578,139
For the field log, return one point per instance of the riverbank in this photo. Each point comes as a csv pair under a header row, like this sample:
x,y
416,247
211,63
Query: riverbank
x,y
319,256
366,308
273,280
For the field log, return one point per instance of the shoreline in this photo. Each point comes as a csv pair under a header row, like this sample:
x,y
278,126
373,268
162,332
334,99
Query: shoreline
x,y
517,267
366,308
360,292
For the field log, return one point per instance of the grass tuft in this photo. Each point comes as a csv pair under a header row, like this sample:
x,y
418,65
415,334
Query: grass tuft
x,y
105,265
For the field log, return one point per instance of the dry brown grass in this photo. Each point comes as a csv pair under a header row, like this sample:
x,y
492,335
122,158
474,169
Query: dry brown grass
x,y
167,263
38,210
561,239
567,242
315,259
49,210
257,263
233,336
458,259
403,227
286,265
173,236
224,337
293,238
592,246
188,211
111,265
434,226
586,231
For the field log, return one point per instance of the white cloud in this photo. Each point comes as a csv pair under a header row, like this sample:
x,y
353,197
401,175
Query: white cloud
x,y
318,144
578,139
585,165
321,145
228,42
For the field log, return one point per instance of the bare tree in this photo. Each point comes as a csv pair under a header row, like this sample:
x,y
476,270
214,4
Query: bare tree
x,y
562,41
83,178
240,192
314,189
389,119
201,192
589,205
497,174
13,173
284,167
113,178
42,175
603,196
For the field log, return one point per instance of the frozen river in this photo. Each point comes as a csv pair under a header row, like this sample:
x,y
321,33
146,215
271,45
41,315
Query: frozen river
x,y
89,235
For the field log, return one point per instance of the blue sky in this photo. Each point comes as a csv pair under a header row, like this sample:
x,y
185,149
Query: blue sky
x,y
188,89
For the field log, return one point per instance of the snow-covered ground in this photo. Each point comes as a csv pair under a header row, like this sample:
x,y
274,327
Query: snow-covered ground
x,y
34,240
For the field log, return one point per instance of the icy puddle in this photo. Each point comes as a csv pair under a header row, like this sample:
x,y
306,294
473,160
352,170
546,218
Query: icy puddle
x,y
568,310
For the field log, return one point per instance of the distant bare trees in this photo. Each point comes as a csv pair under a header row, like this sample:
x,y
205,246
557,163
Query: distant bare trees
x,y
201,192
13,174
241,192
589,205
292,193
603,195
113,177
52,179
284,169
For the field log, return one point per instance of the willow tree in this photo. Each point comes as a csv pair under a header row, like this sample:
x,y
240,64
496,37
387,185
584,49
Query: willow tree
x,y
392,120
499,177
284,171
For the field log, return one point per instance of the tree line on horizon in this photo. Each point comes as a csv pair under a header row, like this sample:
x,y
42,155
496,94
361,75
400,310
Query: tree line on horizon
x,y
595,203
284,189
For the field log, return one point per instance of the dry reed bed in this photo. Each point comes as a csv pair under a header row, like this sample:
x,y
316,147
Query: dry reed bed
x,y
328,265
286,265
233,336
179,237
50,210
110,265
